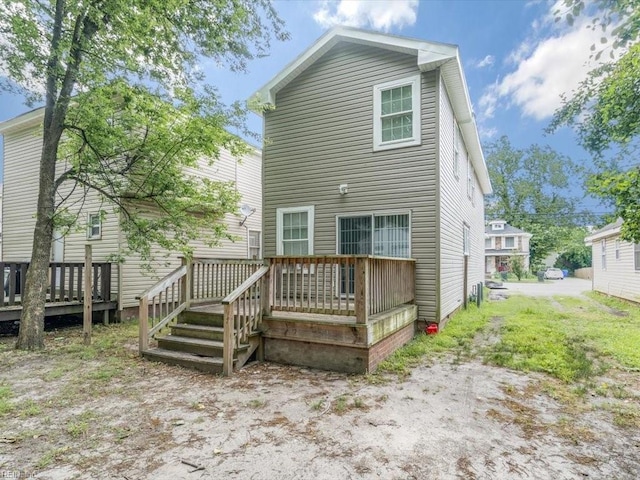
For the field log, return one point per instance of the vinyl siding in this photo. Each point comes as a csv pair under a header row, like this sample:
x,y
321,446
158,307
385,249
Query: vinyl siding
x,y
321,135
136,279
21,170
456,209
620,278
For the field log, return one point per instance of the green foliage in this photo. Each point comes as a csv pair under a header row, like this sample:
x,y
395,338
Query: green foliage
x,y
516,266
574,253
531,193
605,109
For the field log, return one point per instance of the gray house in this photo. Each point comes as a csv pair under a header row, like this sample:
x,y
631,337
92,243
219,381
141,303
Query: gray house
x,y
371,148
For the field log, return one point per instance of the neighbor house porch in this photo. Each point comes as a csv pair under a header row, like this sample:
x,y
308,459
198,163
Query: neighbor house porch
x,y
340,312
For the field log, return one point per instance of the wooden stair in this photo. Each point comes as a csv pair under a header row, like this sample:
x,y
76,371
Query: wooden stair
x,y
196,341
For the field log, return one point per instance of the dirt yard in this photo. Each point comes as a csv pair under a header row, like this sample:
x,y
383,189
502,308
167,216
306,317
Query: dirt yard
x,y
76,413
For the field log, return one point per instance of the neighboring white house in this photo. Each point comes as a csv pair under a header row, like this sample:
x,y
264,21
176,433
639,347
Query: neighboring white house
x,y
616,263
22,148
372,148
501,243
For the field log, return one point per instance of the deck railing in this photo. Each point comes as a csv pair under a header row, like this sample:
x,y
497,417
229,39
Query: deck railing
x,y
243,310
212,279
350,285
199,280
65,282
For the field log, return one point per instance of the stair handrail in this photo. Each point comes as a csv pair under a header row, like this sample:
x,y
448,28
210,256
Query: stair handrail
x,y
237,326
153,296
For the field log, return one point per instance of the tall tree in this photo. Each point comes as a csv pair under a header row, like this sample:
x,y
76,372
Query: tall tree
x,y
531,191
135,60
605,109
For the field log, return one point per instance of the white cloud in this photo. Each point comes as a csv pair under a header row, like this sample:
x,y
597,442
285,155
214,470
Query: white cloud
x,y
487,61
542,69
378,14
487,133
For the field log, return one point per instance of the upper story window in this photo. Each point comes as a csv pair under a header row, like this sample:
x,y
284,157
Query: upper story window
x,y
488,242
603,253
509,242
94,226
456,149
497,226
396,114
294,231
466,239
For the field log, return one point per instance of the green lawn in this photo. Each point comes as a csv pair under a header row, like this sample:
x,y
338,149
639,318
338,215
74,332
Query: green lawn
x,y
568,338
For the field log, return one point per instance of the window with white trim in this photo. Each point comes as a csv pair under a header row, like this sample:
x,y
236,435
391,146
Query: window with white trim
x,y
294,231
636,256
456,150
509,242
603,253
396,113
94,226
255,251
617,249
466,239
488,242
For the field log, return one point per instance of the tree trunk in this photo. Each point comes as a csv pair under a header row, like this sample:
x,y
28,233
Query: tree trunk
x,y
31,334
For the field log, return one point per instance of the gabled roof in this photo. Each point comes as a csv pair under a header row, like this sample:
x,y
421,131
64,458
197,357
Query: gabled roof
x,y
508,230
606,231
429,56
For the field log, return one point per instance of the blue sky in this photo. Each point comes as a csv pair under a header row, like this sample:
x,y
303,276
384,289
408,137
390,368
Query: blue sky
x,y
517,60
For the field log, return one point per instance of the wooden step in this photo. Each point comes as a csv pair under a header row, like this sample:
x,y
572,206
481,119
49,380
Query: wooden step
x,y
205,332
195,317
187,360
197,346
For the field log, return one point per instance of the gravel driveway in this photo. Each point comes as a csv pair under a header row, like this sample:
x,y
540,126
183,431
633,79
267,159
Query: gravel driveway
x,y
573,287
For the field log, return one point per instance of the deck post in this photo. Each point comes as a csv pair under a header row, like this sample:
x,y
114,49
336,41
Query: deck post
x,y
361,289
143,313
227,345
265,292
187,281
88,294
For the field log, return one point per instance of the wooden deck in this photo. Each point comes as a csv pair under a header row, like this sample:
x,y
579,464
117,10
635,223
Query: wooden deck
x,y
66,292
293,315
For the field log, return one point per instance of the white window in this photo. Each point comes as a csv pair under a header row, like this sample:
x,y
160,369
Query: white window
x,y
456,149
617,249
509,242
94,226
294,231
603,252
396,114
466,239
255,250
497,226
636,255
488,243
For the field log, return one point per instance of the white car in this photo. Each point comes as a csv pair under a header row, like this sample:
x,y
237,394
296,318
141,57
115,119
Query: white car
x,y
553,274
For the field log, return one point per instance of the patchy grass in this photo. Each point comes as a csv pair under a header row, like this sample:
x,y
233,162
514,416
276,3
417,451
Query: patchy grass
x,y
5,404
457,337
